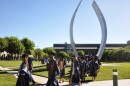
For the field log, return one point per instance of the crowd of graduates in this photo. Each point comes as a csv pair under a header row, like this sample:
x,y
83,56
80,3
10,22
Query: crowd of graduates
x,y
84,66
81,67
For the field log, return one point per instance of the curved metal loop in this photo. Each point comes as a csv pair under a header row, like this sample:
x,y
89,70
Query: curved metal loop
x,y
71,30
103,28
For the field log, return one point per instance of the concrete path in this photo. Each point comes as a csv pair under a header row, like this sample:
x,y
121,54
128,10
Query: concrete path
x,y
4,69
43,80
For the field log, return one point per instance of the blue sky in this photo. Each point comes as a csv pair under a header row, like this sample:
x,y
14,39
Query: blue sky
x,y
47,21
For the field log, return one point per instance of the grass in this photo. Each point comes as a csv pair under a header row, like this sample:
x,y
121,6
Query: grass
x,y
122,68
15,64
7,79
12,63
41,71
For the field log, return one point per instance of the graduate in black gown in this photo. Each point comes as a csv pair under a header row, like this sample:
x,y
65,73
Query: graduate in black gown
x,y
62,65
75,72
53,71
93,68
23,73
86,58
30,65
82,69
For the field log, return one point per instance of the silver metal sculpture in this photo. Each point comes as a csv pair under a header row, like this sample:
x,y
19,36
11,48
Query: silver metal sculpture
x,y
72,40
71,30
103,28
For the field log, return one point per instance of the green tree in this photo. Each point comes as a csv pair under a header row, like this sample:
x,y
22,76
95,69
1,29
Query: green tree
x,y
28,44
14,45
71,54
3,44
49,50
126,55
110,55
105,56
63,54
45,55
120,54
127,47
127,50
39,53
114,55
81,53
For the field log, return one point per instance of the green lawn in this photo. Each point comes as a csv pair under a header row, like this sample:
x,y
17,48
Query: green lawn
x,y
122,68
7,79
15,64
40,70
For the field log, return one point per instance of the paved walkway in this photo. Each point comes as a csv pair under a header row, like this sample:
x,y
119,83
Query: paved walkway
x,y
43,80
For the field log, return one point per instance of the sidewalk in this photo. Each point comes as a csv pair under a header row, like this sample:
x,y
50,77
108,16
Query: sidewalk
x,y
43,80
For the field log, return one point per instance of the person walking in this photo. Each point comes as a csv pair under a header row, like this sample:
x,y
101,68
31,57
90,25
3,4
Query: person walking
x,y
30,65
82,69
93,68
62,64
23,72
75,72
53,71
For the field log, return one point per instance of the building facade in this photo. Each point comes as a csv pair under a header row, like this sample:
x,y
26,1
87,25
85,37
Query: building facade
x,y
90,49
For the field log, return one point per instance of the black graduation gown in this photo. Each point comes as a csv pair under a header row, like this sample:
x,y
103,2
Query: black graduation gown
x,y
23,78
93,69
52,81
76,76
